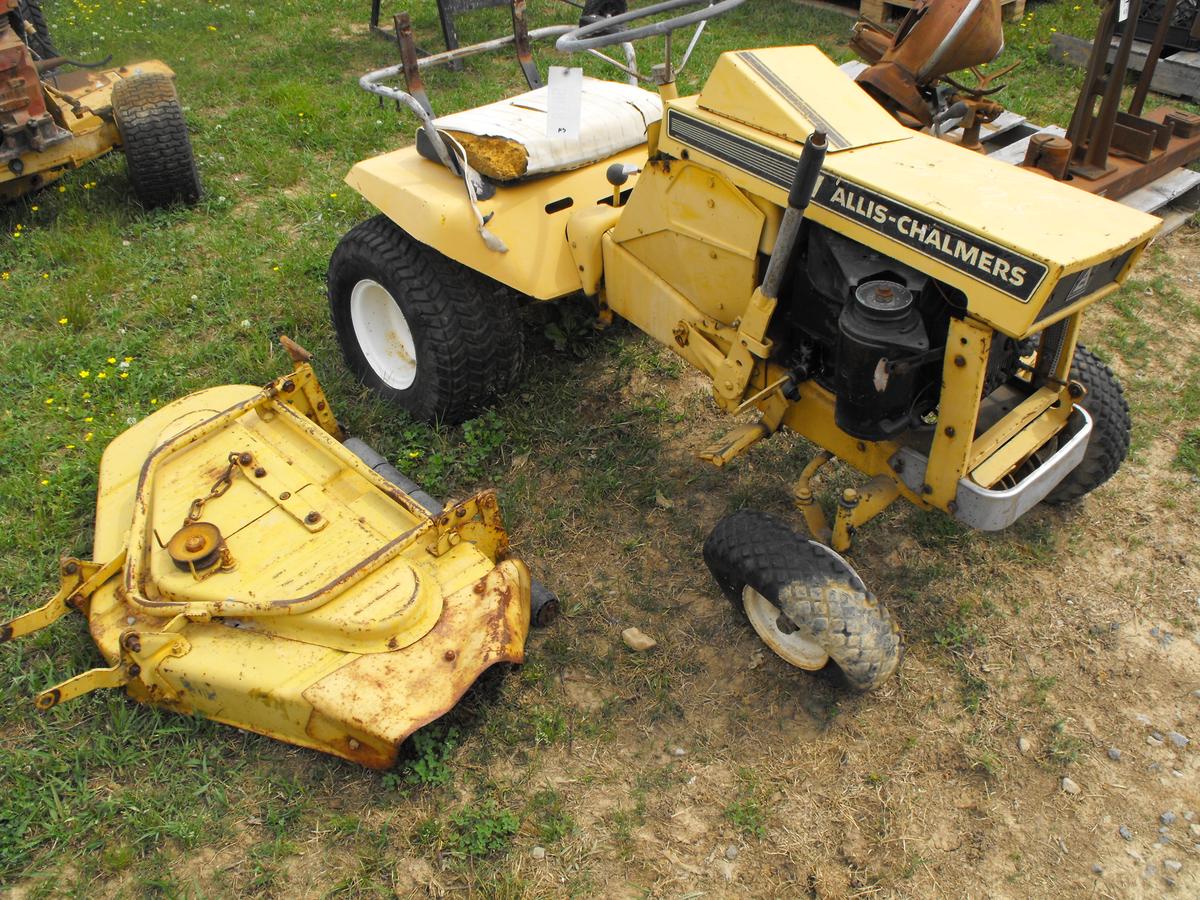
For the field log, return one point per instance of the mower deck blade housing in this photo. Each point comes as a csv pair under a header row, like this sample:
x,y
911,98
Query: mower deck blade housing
x,y
273,582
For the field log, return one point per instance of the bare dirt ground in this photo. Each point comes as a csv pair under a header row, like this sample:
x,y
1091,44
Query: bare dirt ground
x,y
1040,740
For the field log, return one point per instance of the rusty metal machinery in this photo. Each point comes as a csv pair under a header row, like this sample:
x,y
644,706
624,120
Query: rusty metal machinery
x,y
1111,151
53,121
935,38
26,125
253,568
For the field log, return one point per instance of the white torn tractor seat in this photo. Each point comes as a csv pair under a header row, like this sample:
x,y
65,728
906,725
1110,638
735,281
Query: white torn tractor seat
x,y
508,140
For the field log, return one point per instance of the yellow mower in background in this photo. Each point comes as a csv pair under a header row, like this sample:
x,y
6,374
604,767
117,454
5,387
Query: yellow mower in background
x,y
52,122
908,305
254,566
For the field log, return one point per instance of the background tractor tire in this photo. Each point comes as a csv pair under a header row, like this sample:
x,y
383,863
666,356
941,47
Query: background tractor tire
x,y
819,594
154,134
35,32
1109,443
421,330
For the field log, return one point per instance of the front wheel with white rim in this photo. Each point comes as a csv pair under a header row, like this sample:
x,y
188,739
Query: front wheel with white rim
x,y
418,328
803,599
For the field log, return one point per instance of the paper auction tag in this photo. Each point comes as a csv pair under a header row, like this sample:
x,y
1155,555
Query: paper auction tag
x,y
566,98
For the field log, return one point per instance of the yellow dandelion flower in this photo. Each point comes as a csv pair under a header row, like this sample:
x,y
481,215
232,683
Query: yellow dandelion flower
x,y
34,208
333,196
212,27
129,359
88,436
48,401
101,375
154,402
111,360
88,418
4,276
86,394
45,481
62,188
70,446
84,373
124,374
62,321
45,274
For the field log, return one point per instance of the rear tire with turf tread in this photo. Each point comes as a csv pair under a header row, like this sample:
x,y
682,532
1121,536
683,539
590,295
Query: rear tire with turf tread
x,y
812,587
36,32
465,328
154,135
1109,444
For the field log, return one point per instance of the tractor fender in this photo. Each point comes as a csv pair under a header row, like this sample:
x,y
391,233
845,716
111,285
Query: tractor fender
x,y
530,217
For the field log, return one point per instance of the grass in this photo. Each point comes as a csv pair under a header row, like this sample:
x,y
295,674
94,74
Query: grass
x,y
109,312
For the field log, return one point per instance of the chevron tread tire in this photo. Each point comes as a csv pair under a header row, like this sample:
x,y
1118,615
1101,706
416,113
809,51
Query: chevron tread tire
x,y
464,326
36,32
813,588
1109,444
154,135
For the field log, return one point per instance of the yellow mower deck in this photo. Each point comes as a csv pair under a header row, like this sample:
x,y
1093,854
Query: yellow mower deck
x,y
81,102
252,570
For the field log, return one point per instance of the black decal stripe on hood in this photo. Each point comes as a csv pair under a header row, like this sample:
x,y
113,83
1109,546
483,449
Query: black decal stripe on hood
x,y
778,169
837,141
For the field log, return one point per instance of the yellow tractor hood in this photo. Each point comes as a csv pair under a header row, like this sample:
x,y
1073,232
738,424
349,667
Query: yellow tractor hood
x,y
792,91
1025,249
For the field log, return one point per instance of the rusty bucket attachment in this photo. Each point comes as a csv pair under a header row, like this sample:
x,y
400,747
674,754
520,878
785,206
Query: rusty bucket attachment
x,y
935,38
257,571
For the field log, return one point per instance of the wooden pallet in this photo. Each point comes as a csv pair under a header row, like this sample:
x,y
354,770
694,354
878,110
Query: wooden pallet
x,y
1176,75
885,10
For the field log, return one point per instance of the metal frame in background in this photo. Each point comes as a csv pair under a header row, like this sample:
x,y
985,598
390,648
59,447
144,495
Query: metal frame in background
x,y
448,11
1115,151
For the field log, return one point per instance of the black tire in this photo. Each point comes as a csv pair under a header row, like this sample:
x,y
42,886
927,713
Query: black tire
x,y
1109,443
154,135
817,592
464,327
595,10
34,30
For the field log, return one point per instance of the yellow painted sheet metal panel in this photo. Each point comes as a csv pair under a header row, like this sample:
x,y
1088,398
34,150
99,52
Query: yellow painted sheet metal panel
x,y
123,458
792,91
1003,235
431,204
307,678
698,232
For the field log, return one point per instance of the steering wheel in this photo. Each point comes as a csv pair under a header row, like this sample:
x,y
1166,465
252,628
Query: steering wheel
x,y
608,31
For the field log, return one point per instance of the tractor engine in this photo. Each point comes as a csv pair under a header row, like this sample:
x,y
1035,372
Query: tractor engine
x,y
873,331
25,123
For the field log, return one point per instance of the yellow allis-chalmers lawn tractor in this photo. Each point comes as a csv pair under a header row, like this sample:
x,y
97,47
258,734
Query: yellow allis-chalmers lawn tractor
x,y
254,566
907,304
52,122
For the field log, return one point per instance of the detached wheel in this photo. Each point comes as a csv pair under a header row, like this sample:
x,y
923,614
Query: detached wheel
x,y
421,330
805,601
1109,444
34,30
154,135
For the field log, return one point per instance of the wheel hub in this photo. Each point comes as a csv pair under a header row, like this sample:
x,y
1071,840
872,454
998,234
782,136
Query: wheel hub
x,y
384,334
